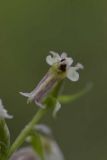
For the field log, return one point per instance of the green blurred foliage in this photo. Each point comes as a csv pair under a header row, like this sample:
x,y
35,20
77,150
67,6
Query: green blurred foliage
x,y
28,30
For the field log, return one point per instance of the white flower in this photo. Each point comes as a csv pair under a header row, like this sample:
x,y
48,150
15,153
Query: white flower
x,y
3,112
64,61
60,69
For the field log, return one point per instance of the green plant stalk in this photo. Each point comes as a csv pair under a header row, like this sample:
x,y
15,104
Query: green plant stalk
x,y
25,132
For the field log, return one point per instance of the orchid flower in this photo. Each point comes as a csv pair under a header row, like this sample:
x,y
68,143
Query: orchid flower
x,y
61,67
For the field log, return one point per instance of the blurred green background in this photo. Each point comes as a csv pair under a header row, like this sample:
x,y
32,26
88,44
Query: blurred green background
x,y
28,30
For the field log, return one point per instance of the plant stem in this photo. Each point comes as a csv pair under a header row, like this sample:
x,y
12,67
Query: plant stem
x,y
25,132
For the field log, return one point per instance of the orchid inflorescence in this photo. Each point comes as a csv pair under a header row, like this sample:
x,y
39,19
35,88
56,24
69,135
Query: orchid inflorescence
x,y
45,95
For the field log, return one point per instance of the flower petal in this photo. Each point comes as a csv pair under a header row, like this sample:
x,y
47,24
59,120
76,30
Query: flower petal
x,y
25,94
55,54
79,66
63,55
30,96
50,60
39,104
69,61
54,58
3,112
72,74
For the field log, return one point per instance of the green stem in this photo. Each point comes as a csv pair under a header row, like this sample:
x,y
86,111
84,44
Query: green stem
x,y
25,132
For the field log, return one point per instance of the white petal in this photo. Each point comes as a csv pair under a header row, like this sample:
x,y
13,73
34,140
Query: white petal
x,y
30,96
4,114
63,55
50,60
69,61
38,104
72,74
3,111
54,58
55,54
79,66
25,94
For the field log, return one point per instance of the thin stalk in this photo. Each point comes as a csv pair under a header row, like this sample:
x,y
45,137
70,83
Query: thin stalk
x,y
25,132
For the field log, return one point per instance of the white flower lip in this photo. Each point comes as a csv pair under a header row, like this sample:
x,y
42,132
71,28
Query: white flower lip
x,y
3,112
71,72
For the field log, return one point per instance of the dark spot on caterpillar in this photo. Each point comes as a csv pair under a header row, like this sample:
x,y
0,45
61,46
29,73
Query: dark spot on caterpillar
x,y
62,67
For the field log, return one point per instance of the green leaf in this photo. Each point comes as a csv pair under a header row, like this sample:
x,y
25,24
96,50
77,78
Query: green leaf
x,y
4,138
36,142
70,98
